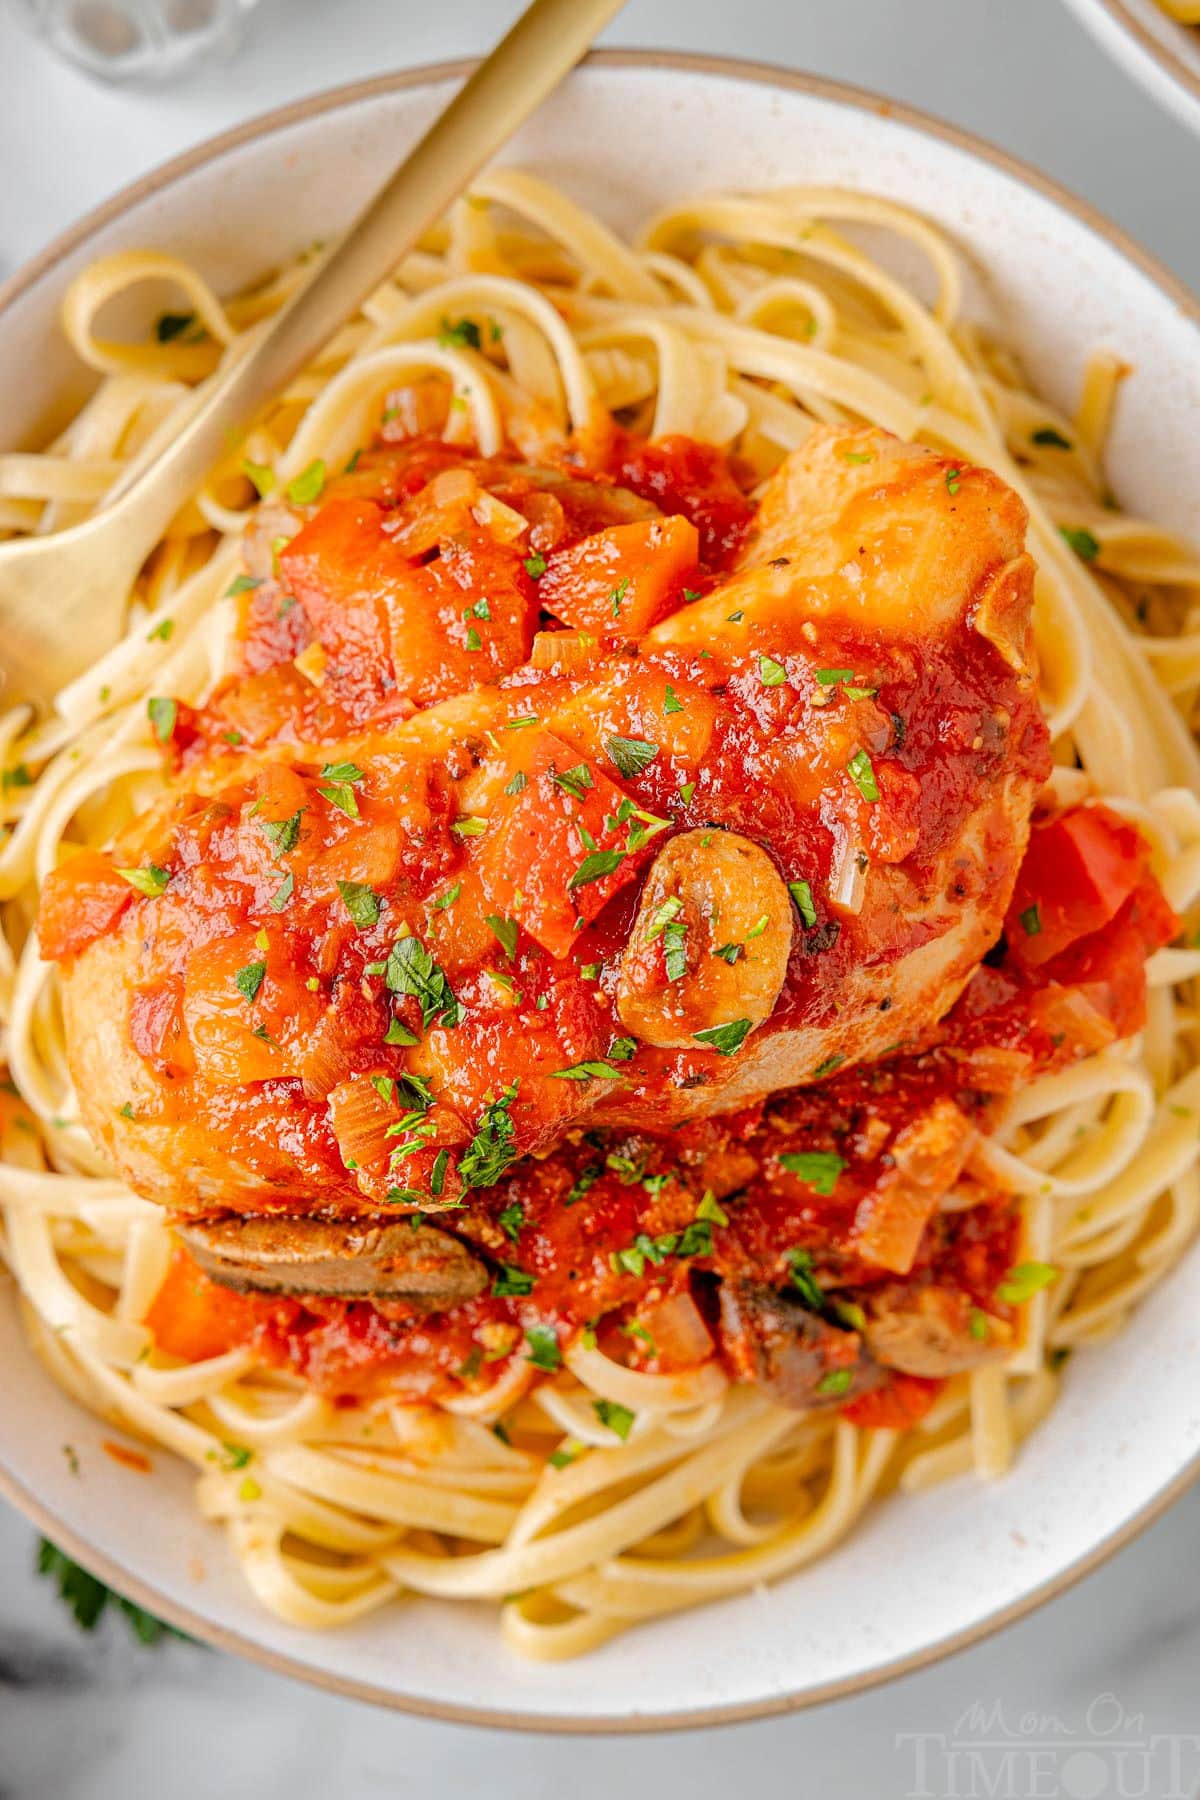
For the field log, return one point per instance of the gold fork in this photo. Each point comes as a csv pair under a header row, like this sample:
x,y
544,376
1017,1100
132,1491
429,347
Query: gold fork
x,y
63,596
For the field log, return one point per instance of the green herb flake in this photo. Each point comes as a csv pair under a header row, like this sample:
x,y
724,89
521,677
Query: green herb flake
x,y
728,1039
862,774
491,1151
150,881
249,979
837,1381
241,584
518,784
283,892
828,1066
617,596
260,477
282,834
504,931
800,1272
307,485
630,755
1031,921
595,867
162,631
671,701
445,901
361,902
592,1070
469,827
1051,439
459,334
544,1352
818,1168
510,1281
617,1418
1024,1281
953,480
397,1033
1082,542
162,715
535,567
169,326
770,672
411,970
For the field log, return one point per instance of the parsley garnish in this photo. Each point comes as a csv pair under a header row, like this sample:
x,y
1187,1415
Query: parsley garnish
x,y
411,970
1024,1281
802,894
87,1597
587,1071
283,892
726,1039
162,715
535,567
492,1149
617,1418
618,594
770,672
459,334
1082,542
544,1352
150,881
518,784
862,774
595,866
172,325
361,902
509,1280
1055,439
250,979
576,781
837,1381
828,1066
819,1168
307,485
953,479
800,1265
282,834
1031,921
505,931
630,755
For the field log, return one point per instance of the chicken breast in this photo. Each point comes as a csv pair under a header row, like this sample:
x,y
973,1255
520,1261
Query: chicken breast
x,y
712,833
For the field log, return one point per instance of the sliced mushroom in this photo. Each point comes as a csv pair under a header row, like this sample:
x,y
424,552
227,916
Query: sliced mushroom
x,y
711,940
799,1358
352,1261
934,1332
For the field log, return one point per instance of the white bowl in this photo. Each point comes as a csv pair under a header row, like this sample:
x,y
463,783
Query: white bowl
x,y
1158,51
924,1574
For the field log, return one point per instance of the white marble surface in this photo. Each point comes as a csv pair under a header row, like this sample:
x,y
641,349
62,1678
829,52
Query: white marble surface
x,y
98,1719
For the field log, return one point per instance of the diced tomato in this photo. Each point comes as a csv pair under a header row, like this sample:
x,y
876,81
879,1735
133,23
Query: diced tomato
x,y
80,901
618,581
1078,872
425,629
681,476
894,1408
551,836
194,1318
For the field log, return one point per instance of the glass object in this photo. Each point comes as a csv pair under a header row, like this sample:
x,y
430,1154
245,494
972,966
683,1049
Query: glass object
x,y
138,40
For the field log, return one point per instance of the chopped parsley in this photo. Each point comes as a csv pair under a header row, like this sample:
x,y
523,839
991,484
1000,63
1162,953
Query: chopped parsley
x,y
518,784
1055,440
307,485
490,1152
150,881
618,594
282,834
398,1033
361,902
162,715
584,1182
283,892
576,781
249,979
511,1220
1031,921
87,1598
837,1381
260,477
469,827
459,334
592,1070
544,1352
241,584
630,755
616,1417
445,901
953,480
1024,1281
800,1271
1081,541
505,932
828,1066
511,1281
671,701
595,866
819,1168
535,567
411,970
862,774
172,325
341,780
770,672
162,631
726,1039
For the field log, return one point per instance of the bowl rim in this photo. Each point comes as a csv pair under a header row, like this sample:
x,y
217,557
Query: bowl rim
x,y
1169,64
107,1568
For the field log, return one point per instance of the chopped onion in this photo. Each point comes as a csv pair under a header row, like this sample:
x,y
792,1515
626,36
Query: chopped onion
x,y
848,878
681,1338
570,652
360,1118
1069,1011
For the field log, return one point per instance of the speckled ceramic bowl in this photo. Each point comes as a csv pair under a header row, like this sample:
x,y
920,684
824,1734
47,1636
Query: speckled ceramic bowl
x,y
1157,50
925,1574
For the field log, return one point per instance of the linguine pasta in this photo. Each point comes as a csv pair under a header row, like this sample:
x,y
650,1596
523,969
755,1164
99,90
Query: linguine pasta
x,y
738,320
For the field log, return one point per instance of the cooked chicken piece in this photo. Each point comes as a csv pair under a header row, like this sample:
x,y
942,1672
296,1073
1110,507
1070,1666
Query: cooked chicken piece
x,y
425,1267
828,760
798,1357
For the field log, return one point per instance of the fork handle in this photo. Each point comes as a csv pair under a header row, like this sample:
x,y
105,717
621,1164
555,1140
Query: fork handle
x,y
544,45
